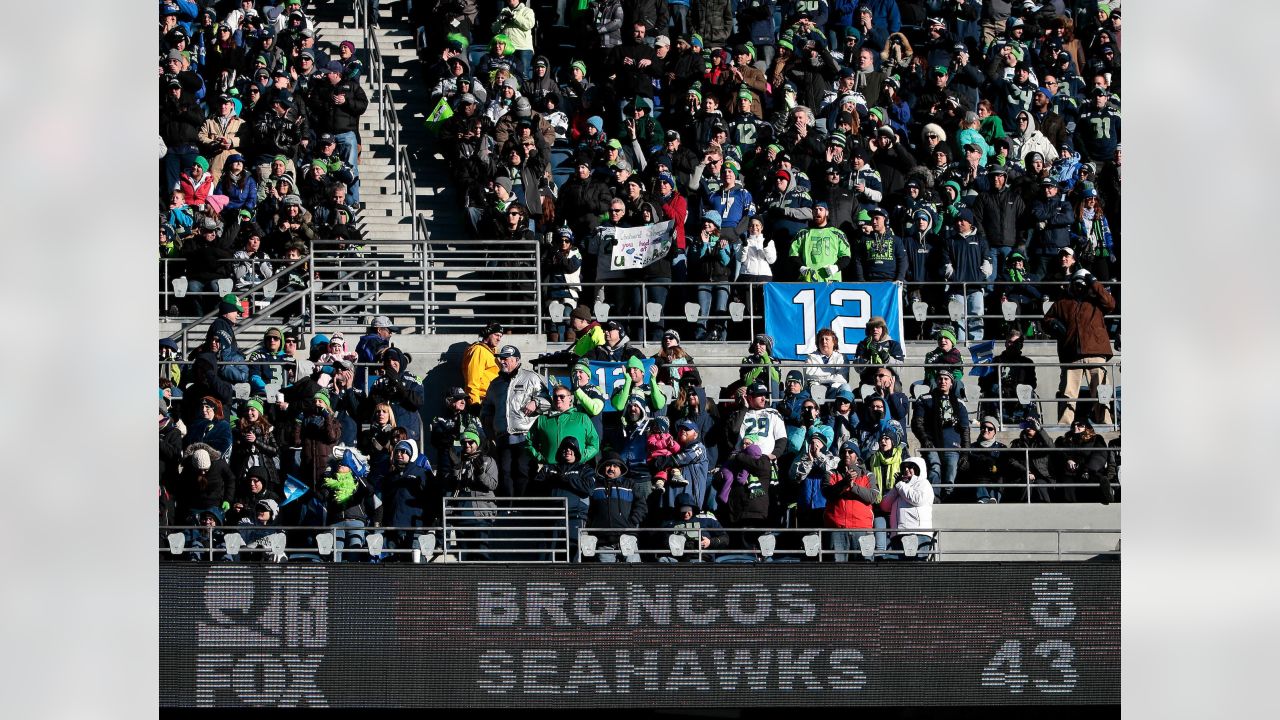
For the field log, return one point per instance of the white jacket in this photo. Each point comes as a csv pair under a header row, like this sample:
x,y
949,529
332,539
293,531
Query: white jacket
x,y
756,256
910,504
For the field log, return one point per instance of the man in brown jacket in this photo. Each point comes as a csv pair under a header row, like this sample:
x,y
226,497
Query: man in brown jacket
x,y
1077,322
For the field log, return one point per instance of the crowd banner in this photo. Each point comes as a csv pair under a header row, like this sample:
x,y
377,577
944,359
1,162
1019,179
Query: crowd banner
x,y
631,248
609,376
795,312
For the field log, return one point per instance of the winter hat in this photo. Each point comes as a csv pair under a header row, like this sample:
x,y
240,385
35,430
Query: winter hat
x,y
672,334
407,446
270,506
612,458
323,397
255,403
991,420
948,333
686,500
582,312
204,164
200,458
713,217
227,306
795,375
596,122
580,66
666,178
633,362
582,366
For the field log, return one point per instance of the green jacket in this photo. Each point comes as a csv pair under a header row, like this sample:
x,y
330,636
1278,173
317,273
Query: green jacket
x,y
819,248
549,430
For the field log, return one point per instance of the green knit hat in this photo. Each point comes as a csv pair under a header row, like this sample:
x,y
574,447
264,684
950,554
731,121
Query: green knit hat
x,y
864,216
634,362
579,65
471,435
734,166
745,94
785,42
204,164
694,92
583,367
255,403
775,147
323,397
879,113
281,158
948,333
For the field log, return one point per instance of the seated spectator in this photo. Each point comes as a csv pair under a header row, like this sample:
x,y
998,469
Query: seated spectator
x,y
1010,369
989,468
254,265
238,186
940,421
208,260
700,528
939,361
817,365
1085,462
1036,467
877,350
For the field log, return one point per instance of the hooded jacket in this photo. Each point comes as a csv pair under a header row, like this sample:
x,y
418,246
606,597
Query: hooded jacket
x,y
410,499
965,254
1031,140
998,213
216,487
479,369
571,481
881,257
910,504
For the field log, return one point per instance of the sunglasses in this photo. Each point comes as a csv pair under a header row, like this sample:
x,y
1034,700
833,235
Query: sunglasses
x,y
988,428
514,213
847,452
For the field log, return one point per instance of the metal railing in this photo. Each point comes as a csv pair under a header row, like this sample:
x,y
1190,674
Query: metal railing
x,y
769,544
515,530
745,293
498,279
546,541
266,288
967,392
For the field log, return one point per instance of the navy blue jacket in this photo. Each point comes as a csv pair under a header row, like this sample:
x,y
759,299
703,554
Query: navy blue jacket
x,y
1053,220
965,255
879,259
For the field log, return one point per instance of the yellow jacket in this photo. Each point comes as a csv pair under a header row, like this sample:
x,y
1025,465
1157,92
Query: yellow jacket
x,y
479,368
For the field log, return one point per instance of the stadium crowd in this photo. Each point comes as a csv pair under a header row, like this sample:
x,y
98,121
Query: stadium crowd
x,y
930,141
959,142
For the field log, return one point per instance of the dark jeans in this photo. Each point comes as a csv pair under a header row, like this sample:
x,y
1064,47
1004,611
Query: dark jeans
x,y
515,467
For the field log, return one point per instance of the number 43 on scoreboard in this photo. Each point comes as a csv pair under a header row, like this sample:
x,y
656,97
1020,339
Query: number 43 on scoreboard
x,y
1052,609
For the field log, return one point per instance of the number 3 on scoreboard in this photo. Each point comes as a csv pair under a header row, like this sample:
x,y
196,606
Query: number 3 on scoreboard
x,y
842,320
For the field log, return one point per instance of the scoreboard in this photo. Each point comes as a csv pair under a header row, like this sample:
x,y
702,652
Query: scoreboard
x,y
641,636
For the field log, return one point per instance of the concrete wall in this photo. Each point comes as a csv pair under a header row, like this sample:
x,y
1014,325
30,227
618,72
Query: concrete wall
x,y
990,545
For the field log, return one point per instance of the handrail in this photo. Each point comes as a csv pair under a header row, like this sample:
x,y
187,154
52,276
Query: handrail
x,y
214,539
244,294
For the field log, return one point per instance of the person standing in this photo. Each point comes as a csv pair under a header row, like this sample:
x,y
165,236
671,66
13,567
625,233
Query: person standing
x,y
514,401
1078,323
480,364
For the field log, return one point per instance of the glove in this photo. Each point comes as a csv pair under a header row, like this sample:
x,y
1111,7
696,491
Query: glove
x,y
661,462
225,506
948,271
832,270
804,270
986,268
343,487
